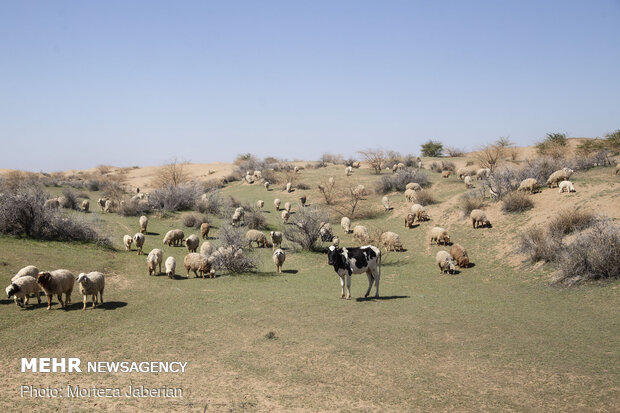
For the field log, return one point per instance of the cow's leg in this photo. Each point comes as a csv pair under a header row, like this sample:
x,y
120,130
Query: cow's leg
x,y
371,279
376,275
341,285
348,285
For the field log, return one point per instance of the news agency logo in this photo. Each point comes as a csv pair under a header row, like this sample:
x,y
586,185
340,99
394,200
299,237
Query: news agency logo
x,y
72,365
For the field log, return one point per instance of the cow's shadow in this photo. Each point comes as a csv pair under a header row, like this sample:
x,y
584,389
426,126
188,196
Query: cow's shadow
x,y
380,298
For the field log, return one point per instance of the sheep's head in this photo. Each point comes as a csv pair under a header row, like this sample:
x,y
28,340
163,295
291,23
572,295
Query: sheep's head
x,y
11,290
451,266
81,278
43,278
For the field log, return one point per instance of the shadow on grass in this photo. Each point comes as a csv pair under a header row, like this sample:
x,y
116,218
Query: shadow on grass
x,y
111,305
381,298
152,233
7,301
290,271
471,265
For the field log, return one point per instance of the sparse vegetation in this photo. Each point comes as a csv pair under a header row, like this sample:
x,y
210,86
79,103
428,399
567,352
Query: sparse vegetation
x,y
398,181
554,145
304,228
517,202
375,158
471,200
425,197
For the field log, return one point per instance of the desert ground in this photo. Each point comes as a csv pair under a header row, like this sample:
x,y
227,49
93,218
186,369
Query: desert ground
x,y
498,335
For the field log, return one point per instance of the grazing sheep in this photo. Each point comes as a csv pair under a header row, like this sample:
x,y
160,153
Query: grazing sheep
x,y
566,186
276,239
144,222
483,173
174,237
360,233
439,235
138,239
109,206
196,262
258,175
287,207
101,202
468,182
414,186
254,235
206,249
204,230
386,203
64,202
410,195
359,191
356,164
391,241
445,262
409,220
558,176
345,223
192,242
348,170
277,203
266,184
289,186
302,200
331,180
260,204
446,174
52,203
28,271
458,252
529,184
85,205
285,216
57,282
154,259
420,165
479,218
171,267
278,259
21,288
461,173
238,216
326,232
91,284
419,212
127,240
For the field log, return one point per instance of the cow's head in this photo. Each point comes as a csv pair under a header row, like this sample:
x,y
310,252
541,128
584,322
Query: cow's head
x,y
334,255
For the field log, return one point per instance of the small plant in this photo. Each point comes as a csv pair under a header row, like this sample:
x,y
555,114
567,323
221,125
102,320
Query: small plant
x,y
516,201
569,221
194,220
255,218
271,335
425,197
471,200
70,199
538,245
554,145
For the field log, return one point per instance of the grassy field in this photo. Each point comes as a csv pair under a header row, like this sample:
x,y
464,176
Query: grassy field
x,y
496,336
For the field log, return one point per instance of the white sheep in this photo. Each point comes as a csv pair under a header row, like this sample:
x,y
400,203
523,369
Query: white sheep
x,y
258,237
278,259
410,195
439,235
287,207
127,241
479,218
360,233
419,212
192,242
174,237
197,263
566,186
332,181
445,262
277,203
276,239
289,187
296,169
21,288
101,202
206,249
27,271
325,231
91,284
359,191
391,241
258,175
85,205
468,182
154,259
348,170
266,184
171,266
413,185
285,216
345,223
483,173
529,184
138,239
336,242
386,203
144,222
109,206
462,172
260,204
558,176
238,216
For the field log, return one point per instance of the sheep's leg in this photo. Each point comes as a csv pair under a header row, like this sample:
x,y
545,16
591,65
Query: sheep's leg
x,y
68,298
101,296
160,266
84,302
62,304
94,300
49,302
38,297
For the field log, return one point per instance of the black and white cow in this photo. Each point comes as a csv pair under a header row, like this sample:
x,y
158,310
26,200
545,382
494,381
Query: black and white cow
x,y
347,261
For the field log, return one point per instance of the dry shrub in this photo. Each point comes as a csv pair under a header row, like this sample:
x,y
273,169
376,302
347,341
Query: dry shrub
x,y
132,208
175,198
194,220
304,228
471,200
425,197
302,186
516,201
172,175
254,218
442,166
232,257
71,199
454,152
593,255
569,221
210,203
538,245
397,182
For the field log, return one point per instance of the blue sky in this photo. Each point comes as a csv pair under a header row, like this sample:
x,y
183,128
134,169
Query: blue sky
x,y
127,83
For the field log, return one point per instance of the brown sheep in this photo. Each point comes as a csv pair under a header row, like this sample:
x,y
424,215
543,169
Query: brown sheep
x,y
204,230
459,254
57,282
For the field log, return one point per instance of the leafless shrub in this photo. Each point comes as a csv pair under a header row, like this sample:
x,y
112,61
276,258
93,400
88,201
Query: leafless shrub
x,y
304,227
255,218
442,166
327,190
194,220
516,202
132,208
175,198
171,175
471,200
22,213
538,245
425,197
210,203
454,152
398,181
568,221
375,158
593,255
232,257
331,158
303,186
71,199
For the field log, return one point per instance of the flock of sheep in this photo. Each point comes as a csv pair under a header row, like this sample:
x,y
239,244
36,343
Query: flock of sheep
x,y
29,280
